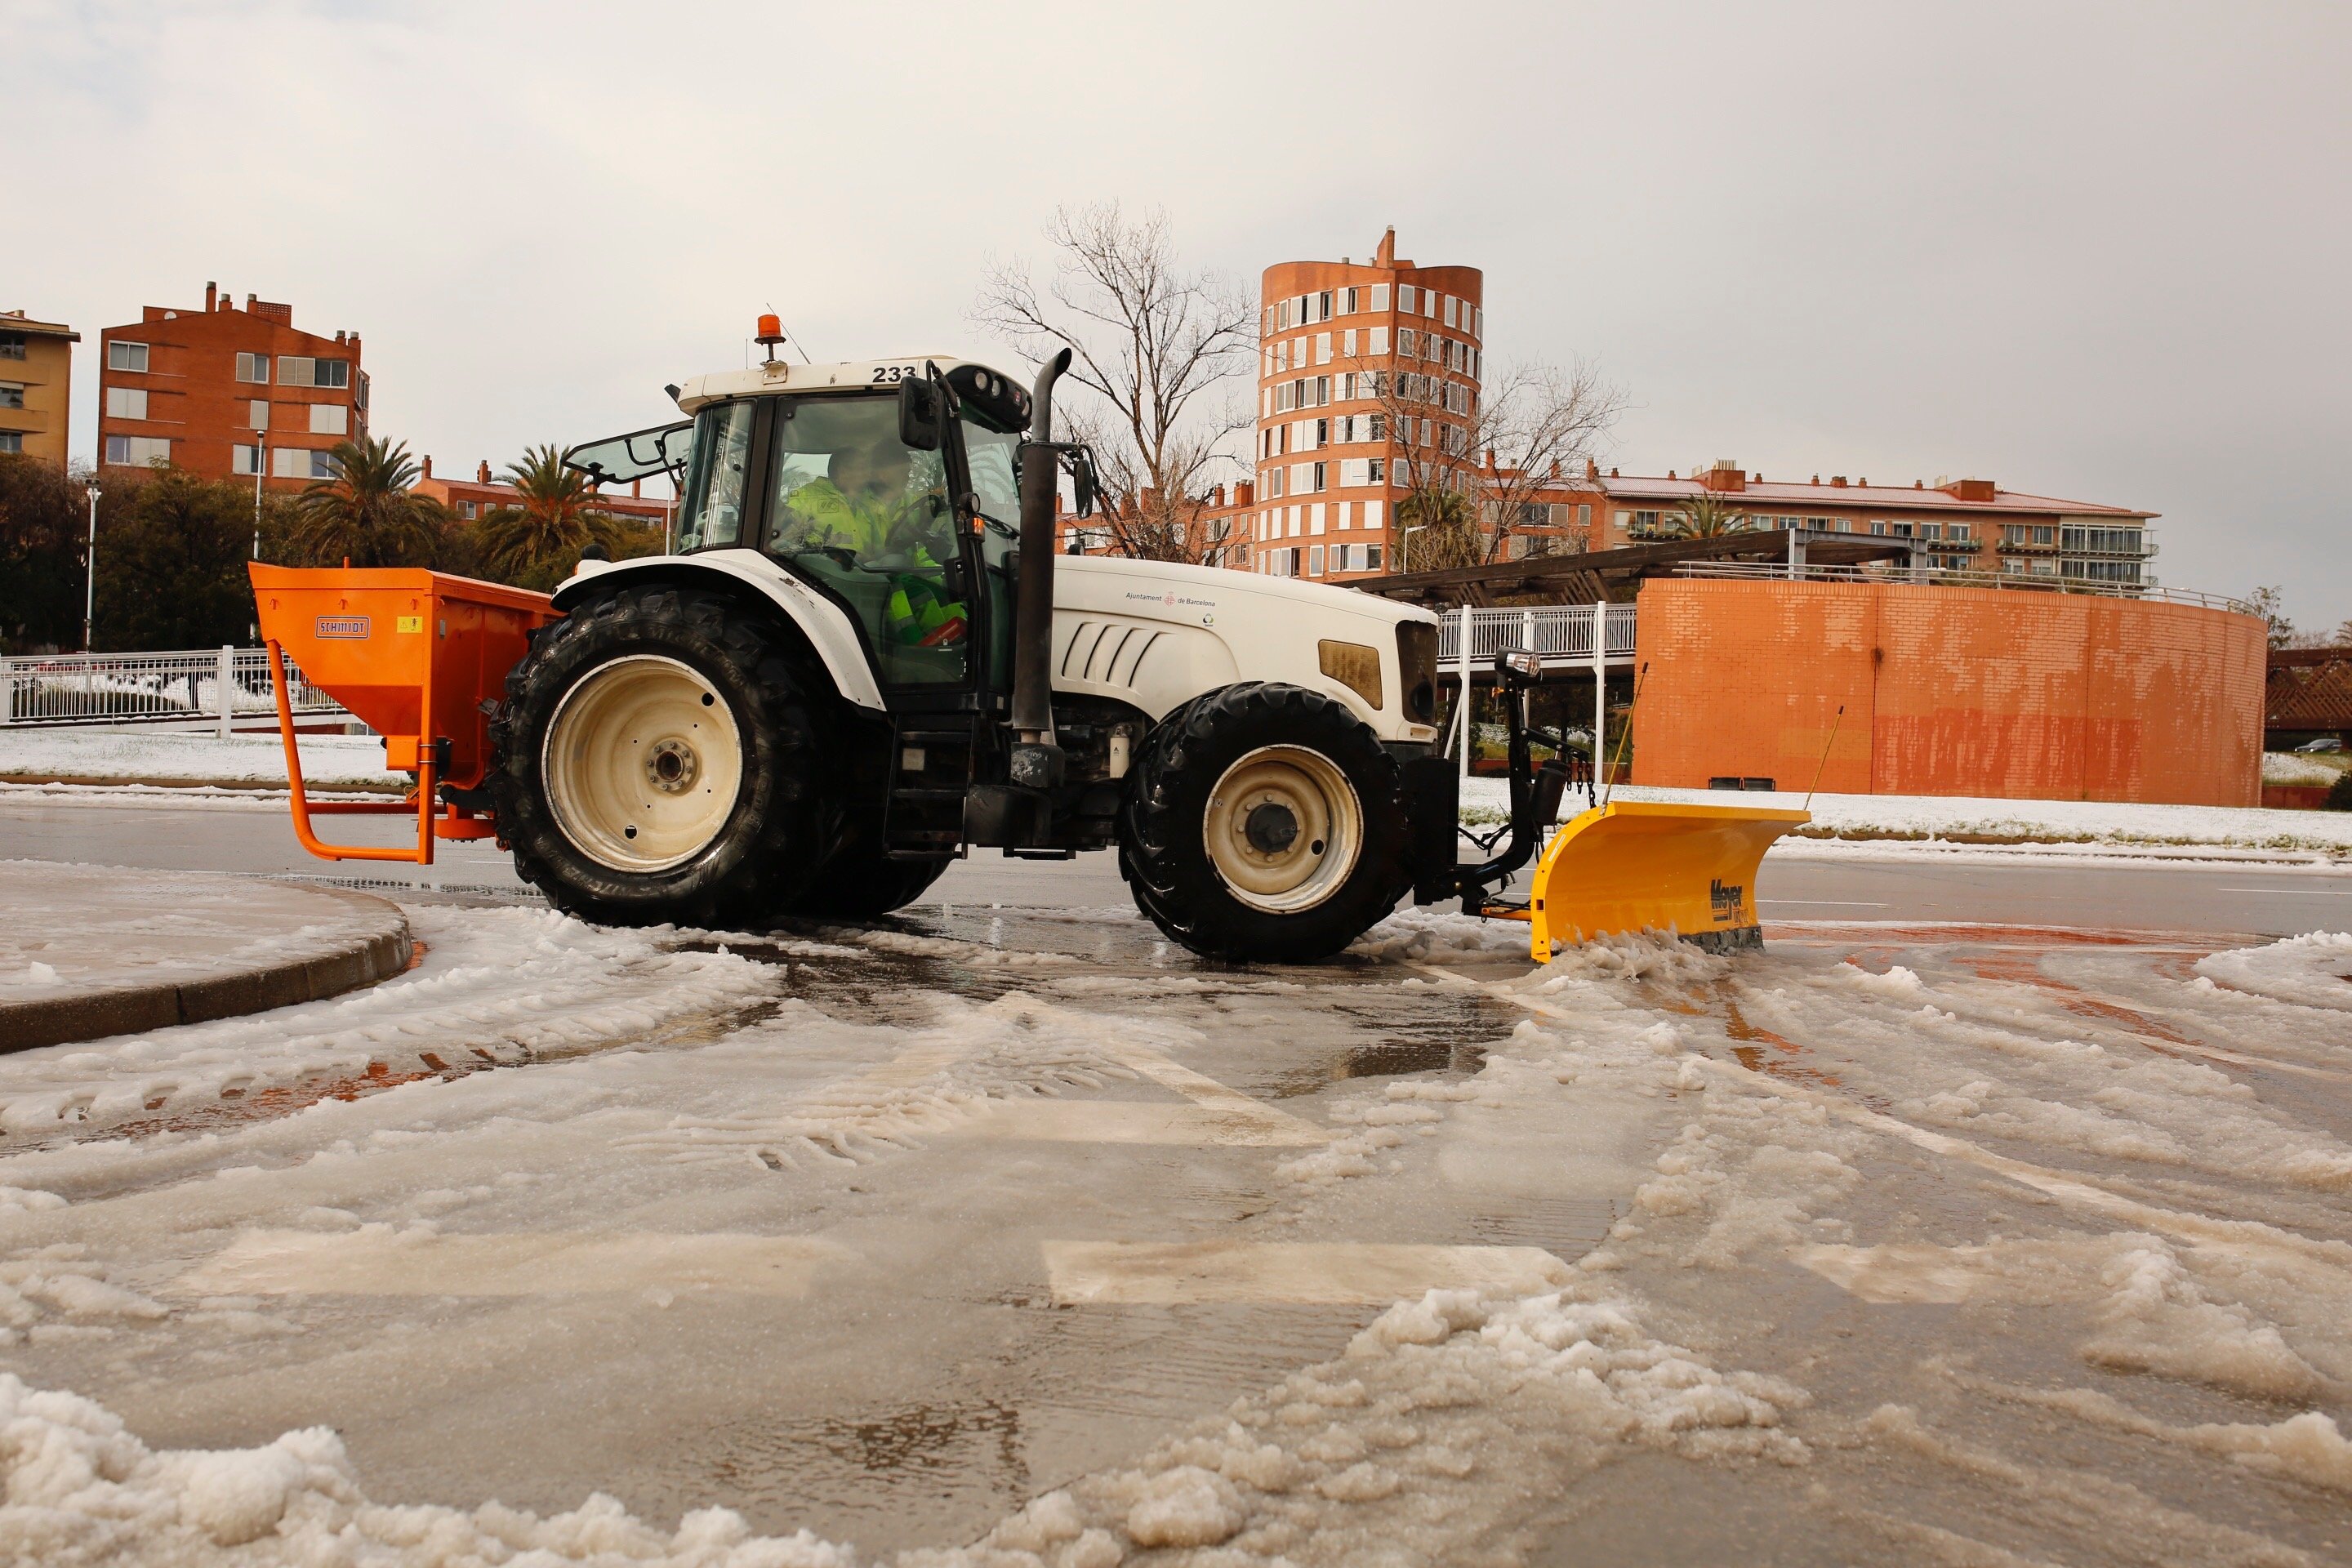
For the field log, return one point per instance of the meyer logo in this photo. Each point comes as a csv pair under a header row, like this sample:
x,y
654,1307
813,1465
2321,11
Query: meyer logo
x,y
343,626
1729,900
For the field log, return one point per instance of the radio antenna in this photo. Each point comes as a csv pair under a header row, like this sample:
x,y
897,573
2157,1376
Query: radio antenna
x,y
1825,756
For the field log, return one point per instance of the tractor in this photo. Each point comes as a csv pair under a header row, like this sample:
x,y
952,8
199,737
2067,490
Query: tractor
x,y
862,659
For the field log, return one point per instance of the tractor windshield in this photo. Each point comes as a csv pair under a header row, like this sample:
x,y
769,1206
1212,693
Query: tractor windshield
x,y
859,512
716,477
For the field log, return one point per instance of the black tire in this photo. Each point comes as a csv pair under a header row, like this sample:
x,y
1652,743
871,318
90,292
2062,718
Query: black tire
x,y
1163,851
784,821
859,885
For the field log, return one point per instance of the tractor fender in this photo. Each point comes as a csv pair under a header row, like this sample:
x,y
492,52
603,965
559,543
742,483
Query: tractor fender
x,y
825,624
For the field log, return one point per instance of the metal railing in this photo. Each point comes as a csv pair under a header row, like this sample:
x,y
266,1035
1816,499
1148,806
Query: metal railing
x,y
212,685
2039,583
1561,633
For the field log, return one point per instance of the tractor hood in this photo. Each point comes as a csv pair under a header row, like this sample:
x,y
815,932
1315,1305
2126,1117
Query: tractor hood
x,y
1156,635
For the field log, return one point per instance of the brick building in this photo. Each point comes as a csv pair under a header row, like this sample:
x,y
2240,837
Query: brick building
x,y
222,391
36,386
468,499
1957,525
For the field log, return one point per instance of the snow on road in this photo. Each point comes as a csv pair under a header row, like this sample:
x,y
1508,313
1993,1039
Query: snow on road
x,y
1956,1244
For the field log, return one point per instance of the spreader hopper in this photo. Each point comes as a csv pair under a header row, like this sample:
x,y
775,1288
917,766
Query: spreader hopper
x,y
1640,864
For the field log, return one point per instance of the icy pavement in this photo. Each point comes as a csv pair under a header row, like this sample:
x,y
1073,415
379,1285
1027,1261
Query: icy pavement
x,y
1017,1238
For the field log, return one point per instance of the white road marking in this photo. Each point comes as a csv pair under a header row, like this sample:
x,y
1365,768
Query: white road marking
x,y
377,1260
2306,892
1142,1121
1219,1114
1324,1273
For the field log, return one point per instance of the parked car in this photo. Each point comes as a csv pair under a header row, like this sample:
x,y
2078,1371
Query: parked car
x,y
2325,743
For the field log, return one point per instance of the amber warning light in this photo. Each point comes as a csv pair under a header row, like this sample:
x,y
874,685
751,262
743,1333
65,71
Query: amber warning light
x,y
771,332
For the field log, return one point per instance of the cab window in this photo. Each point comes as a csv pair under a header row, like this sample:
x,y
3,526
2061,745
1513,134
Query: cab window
x,y
862,515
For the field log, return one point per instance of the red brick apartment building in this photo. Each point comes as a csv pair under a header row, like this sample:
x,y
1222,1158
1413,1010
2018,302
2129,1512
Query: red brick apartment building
x,y
1321,502
221,392
468,499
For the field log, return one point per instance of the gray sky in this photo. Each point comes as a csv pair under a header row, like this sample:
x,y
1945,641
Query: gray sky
x,y
2097,251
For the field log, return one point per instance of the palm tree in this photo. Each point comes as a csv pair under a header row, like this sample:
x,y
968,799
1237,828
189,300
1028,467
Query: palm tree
x,y
1710,515
555,519
368,515
1448,529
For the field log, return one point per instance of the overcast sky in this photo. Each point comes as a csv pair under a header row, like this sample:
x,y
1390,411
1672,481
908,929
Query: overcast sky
x,y
2092,251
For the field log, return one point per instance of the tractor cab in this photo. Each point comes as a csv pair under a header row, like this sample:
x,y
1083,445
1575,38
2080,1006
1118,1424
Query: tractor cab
x,y
890,487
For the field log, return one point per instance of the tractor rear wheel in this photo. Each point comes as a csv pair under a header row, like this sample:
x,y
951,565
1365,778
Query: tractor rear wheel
x,y
1264,823
657,760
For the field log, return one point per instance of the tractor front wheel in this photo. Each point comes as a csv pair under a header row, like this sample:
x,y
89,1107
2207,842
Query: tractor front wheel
x,y
1264,823
658,761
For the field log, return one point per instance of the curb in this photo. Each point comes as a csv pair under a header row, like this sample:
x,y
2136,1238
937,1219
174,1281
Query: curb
x,y
60,1020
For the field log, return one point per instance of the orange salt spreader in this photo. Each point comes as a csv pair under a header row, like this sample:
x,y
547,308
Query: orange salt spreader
x,y
411,653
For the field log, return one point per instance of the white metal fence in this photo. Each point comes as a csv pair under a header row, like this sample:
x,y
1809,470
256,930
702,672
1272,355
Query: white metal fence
x,y
1562,634
216,684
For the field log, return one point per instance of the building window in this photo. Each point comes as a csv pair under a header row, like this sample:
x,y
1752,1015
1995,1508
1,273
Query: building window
x,y
244,459
298,370
120,355
1408,299
300,463
254,368
12,443
12,395
125,402
138,451
330,419
1315,561
256,413
11,345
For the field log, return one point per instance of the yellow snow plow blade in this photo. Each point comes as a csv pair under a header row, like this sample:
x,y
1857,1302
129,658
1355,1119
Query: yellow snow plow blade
x,y
1640,864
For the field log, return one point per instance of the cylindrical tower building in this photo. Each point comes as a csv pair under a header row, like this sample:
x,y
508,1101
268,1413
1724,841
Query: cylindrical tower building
x,y
1334,338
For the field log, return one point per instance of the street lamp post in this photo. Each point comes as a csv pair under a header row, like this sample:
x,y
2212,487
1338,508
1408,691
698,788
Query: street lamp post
x,y
260,467
1404,547
90,585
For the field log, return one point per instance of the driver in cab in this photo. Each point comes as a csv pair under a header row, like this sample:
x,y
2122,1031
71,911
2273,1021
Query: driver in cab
x,y
866,515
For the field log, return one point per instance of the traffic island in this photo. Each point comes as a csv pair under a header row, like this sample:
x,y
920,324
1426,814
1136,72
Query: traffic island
x,y
89,951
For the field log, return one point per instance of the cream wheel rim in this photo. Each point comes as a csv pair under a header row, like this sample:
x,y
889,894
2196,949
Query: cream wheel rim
x,y
643,762
1284,828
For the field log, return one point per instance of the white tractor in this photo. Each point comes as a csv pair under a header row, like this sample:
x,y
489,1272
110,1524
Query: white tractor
x,y
865,658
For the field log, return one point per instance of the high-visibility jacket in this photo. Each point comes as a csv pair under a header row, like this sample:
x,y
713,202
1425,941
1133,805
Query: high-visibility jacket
x,y
916,613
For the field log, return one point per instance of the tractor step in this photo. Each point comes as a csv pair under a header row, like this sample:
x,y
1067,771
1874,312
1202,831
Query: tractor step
x,y
930,768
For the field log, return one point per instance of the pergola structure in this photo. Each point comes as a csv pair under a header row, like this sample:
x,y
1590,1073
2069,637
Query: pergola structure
x,y
1614,574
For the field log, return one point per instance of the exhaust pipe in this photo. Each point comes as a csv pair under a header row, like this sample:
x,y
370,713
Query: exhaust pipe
x,y
1033,622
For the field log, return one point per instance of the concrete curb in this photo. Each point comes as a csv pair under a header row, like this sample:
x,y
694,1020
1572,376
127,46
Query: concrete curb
x,y
59,1020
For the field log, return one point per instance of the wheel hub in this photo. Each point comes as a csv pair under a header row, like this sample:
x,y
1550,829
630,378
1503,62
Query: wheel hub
x,y
642,763
1283,828
1270,827
672,766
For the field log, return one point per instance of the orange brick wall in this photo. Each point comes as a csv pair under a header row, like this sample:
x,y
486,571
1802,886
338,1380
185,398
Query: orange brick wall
x,y
1949,691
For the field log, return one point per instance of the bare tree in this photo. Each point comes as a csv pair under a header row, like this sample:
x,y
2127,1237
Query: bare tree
x,y
1154,343
1470,465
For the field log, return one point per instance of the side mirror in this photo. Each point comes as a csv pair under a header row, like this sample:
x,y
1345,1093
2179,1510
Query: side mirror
x,y
919,416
